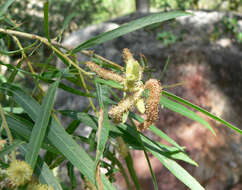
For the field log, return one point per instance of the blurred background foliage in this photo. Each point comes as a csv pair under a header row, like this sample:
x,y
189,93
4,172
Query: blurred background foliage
x,y
29,15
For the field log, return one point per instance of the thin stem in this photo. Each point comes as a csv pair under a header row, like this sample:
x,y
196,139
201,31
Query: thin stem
x,y
5,125
28,62
57,51
87,91
92,54
146,156
45,41
121,168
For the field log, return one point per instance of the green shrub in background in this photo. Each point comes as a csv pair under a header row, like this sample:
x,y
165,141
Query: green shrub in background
x,y
231,27
167,38
30,123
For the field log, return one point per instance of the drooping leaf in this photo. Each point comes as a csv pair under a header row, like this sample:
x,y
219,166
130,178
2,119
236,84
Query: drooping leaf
x,y
40,127
174,106
103,131
212,116
164,136
129,27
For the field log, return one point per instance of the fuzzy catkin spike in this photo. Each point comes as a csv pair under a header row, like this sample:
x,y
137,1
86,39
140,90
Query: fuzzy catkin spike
x,y
103,73
19,173
152,103
116,112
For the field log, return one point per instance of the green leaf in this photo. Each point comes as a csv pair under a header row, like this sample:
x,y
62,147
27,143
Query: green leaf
x,y
66,22
71,174
22,128
110,83
16,110
4,7
42,171
129,27
103,127
102,134
58,137
184,111
164,136
40,127
19,50
156,131
185,102
19,127
85,118
130,166
147,157
27,102
11,147
73,126
73,152
177,154
164,155
175,169
73,90
46,18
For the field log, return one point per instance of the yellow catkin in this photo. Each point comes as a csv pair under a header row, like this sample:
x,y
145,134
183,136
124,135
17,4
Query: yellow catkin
x,y
152,103
19,173
103,73
116,112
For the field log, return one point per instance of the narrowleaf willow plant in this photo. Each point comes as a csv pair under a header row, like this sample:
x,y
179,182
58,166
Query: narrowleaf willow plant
x,y
30,123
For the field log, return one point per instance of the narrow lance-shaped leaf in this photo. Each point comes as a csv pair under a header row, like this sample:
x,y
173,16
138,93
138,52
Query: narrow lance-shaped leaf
x,y
177,170
212,116
174,106
103,131
156,131
129,27
39,130
164,136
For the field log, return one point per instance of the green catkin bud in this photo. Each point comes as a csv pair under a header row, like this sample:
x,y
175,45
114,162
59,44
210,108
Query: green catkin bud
x,y
117,112
133,71
19,173
103,73
152,103
122,147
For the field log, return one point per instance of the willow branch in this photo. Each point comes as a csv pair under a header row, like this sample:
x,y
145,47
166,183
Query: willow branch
x,y
53,42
